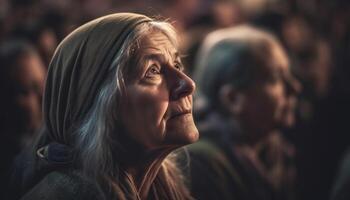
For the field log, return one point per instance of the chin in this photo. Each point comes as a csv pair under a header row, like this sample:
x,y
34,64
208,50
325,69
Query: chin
x,y
192,136
181,137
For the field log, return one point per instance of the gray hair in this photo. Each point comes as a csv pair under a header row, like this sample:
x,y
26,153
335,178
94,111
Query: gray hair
x,y
230,56
95,137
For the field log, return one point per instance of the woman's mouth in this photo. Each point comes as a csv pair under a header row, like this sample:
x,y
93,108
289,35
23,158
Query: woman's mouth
x,y
179,114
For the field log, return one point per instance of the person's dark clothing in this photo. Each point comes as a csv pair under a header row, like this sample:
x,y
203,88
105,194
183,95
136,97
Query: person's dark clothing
x,y
29,169
218,172
61,185
341,188
8,151
320,141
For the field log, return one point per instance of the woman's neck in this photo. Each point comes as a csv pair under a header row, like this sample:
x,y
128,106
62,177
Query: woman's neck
x,y
143,170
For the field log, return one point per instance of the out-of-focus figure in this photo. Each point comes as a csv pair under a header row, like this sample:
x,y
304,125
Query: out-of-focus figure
x,y
22,75
319,134
248,94
41,35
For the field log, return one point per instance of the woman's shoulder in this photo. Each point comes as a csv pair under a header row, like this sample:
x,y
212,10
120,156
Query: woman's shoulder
x,y
206,148
213,175
208,153
59,185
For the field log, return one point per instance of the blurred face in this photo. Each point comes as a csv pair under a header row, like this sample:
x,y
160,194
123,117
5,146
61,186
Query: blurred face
x,y
29,77
270,102
157,110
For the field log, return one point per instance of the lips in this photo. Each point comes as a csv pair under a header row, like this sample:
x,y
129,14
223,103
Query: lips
x,y
179,113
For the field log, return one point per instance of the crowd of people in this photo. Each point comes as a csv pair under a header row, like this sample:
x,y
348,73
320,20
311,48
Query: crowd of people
x,y
269,80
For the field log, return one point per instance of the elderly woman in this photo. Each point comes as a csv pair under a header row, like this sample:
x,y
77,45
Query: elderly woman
x,y
117,102
249,94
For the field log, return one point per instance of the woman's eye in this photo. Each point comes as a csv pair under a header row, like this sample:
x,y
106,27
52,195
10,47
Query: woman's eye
x,y
178,66
152,71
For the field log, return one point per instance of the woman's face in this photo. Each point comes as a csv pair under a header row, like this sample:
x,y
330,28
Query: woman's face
x,y
270,102
157,109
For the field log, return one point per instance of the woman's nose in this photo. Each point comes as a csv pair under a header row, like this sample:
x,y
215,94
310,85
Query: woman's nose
x,y
183,86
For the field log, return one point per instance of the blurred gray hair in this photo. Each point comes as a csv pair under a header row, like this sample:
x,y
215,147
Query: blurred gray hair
x,y
230,56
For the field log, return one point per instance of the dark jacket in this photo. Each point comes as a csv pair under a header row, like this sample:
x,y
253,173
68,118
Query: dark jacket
x,y
341,188
61,185
51,177
217,172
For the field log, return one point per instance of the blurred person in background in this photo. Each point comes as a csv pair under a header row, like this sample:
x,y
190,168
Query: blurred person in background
x,y
319,134
249,95
40,35
209,16
341,184
22,75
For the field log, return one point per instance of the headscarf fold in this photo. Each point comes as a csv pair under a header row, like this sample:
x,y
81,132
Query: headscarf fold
x,y
79,67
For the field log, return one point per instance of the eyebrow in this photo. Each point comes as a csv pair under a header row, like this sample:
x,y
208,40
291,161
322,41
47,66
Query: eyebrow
x,y
159,56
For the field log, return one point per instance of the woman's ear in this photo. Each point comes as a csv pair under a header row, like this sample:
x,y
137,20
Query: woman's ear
x,y
231,99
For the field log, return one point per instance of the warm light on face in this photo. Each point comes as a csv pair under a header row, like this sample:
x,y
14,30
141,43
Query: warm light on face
x,y
157,111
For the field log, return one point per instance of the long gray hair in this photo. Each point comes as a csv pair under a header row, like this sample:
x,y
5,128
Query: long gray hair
x,y
97,148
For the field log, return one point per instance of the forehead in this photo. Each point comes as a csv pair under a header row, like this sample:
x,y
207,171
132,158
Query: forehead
x,y
154,45
274,59
279,57
157,42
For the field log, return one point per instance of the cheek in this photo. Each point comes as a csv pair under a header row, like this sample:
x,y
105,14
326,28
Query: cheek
x,y
275,103
289,111
143,115
277,100
266,105
153,117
